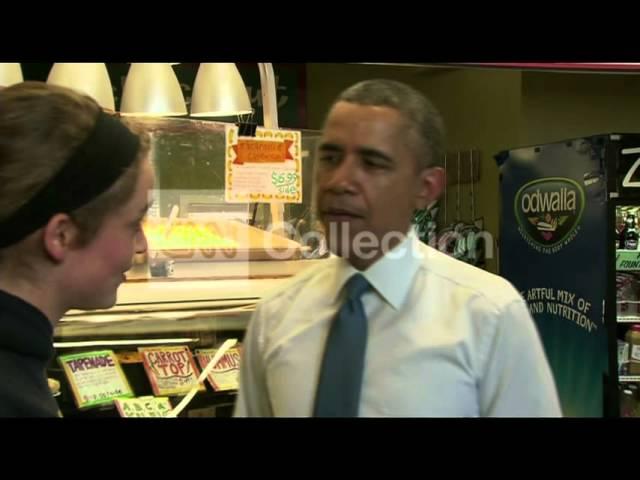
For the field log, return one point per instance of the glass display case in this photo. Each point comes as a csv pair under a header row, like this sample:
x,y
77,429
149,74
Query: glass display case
x,y
627,311
209,262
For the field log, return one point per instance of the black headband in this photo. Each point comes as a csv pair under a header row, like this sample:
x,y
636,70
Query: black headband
x,y
109,149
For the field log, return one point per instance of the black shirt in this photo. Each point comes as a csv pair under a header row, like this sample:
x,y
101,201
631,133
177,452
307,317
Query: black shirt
x,y
26,347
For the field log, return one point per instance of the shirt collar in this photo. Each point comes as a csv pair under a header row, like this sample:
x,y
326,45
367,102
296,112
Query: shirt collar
x,y
391,276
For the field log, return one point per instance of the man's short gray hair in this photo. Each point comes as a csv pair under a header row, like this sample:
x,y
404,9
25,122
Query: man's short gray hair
x,y
425,122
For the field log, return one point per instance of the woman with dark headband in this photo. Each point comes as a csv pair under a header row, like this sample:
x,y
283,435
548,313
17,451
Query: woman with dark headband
x,y
74,186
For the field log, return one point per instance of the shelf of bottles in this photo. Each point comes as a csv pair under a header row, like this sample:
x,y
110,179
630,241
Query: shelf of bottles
x,y
628,308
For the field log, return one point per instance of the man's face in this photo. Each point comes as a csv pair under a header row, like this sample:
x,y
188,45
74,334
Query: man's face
x,y
367,179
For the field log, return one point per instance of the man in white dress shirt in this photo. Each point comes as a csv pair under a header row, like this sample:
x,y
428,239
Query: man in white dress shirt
x,y
436,337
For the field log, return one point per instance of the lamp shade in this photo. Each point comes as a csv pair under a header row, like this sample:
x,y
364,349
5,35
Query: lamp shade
x,y
10,73
219,91
152,89
89,78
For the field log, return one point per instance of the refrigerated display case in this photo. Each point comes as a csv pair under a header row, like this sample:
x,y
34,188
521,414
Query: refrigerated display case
x,y
623,275
624,297
558,246
209,262
627,311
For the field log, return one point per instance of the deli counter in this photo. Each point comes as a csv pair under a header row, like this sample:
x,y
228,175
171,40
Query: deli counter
x,y
208,264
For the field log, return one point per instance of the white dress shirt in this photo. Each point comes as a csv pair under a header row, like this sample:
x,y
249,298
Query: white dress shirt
x,y
445,340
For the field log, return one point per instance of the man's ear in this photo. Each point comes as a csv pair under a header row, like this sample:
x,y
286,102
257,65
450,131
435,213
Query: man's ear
x,y
60,234
431,185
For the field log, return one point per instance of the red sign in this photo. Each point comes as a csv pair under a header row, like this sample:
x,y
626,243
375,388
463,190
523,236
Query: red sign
x,y
249,150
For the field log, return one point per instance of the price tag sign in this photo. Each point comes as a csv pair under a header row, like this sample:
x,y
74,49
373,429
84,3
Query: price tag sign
x,y
264,168
96,378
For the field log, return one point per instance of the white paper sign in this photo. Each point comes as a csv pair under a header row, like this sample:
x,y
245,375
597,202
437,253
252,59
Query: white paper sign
x,y
264,168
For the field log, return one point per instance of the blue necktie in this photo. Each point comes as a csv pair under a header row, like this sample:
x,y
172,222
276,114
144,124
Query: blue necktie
x,y
340,382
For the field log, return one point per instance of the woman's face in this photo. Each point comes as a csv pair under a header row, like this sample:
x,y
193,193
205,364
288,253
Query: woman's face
x,y
98,268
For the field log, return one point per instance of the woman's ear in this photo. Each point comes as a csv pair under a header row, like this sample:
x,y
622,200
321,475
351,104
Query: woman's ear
x,y
60,234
